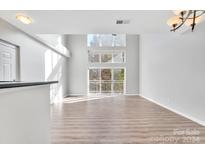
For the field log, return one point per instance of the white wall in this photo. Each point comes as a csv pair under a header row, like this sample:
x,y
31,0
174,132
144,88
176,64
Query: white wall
x,y
53,39
78,64
172,71
57,41
132,64
37,62
25,115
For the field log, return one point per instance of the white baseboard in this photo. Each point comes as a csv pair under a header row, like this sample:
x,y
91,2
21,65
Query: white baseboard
x,y
67,95
131,94
73,95
175,111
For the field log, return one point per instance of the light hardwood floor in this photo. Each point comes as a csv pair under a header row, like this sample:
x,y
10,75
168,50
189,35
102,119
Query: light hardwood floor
x,y
122,119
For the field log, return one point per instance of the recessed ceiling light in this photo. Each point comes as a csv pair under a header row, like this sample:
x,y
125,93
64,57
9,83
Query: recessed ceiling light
x,y
24,19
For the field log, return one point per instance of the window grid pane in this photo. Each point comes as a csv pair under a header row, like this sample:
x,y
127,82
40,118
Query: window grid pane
x,y
106,74
118,57
106,87
106,58
94,87
94,74
118,87
118,74
94,58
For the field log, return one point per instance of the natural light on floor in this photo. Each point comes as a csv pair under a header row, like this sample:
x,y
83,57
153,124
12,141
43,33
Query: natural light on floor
x,y
76,99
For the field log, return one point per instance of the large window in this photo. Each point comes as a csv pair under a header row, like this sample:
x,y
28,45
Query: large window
x,y
106,57
106,80
106,40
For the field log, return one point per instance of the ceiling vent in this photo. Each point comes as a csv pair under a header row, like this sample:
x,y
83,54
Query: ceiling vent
x,y
121,22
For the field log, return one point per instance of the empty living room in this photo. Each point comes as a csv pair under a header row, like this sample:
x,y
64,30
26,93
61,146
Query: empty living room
x,y
102,76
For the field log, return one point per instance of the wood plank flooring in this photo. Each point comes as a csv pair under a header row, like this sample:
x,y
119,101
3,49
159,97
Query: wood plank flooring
x,y
122,119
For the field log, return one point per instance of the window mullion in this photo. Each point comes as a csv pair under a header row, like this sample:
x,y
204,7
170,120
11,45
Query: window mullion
x,y
100,81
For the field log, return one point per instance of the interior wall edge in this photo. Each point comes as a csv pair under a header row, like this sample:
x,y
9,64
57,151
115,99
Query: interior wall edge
x,y
140,65
38,39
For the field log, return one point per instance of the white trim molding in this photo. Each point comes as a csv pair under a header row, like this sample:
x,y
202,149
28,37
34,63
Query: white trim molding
x,y
175,111
131,94
74,95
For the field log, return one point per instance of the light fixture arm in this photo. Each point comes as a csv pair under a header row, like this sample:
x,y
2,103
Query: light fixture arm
x,y
183,21
189,15
199,14
194,23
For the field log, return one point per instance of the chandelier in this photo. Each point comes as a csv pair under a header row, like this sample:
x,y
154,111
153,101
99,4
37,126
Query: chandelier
x,y
185,17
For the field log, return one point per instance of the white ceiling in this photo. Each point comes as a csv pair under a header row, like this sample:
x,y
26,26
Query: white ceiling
x,y
83,22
